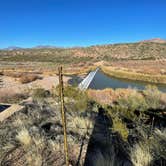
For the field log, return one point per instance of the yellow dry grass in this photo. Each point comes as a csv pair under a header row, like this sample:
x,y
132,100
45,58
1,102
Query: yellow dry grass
x,y
121,73
108,95
80,125
140,155
24,137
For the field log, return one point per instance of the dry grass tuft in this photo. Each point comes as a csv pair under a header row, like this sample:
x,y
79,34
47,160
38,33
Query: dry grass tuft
x,y
105,96
34,159
80,125
55,146
24,137
153,96
140,155
18,122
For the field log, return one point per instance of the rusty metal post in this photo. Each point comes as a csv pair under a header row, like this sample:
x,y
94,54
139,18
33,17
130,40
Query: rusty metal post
x,y
61,91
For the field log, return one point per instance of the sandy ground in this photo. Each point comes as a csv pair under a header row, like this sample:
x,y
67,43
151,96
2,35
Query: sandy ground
x,y
12,85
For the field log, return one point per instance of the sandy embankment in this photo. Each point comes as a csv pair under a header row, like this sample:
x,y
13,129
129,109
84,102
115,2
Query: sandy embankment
x,y
10,86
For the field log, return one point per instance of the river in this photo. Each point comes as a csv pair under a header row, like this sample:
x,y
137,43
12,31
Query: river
x,y
102,81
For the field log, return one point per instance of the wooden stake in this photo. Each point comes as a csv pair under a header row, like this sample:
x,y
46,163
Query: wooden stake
x,y
61,91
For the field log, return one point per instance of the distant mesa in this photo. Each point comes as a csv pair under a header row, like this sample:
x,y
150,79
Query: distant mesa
x,y
13,48
155,40
44,46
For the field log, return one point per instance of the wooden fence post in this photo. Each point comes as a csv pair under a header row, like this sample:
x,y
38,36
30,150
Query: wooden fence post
x,y
63,114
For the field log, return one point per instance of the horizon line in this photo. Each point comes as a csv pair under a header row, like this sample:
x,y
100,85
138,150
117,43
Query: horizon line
x,y
77,46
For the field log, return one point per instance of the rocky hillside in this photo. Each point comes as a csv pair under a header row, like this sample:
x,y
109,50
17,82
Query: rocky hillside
x,y
144,50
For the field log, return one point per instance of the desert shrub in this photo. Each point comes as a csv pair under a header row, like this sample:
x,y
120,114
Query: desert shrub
x,y
24,130
120,127
158,144
140,155
72,92
28,78
135,101
39,94
149,149
152,96
55,146
103,97
34,159
24,137
33,146
115,113
80,125
79,98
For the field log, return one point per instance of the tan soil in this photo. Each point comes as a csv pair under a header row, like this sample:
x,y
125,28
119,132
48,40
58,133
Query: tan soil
x,y
11,85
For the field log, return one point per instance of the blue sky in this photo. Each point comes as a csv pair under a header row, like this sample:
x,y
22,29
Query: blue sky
x,y
67,23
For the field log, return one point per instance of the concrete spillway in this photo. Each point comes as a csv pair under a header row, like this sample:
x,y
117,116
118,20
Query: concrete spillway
x,y
88,79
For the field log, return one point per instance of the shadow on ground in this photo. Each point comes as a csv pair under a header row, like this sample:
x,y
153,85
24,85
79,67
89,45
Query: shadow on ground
x,y
105,148
75,80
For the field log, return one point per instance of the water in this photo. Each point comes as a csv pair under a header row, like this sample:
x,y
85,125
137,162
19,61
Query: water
x,y
3,107
102,81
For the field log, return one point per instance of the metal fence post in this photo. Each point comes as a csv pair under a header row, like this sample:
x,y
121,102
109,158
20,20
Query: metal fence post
x,y
61,91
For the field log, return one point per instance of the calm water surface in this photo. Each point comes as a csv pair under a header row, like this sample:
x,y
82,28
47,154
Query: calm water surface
x,y
102,81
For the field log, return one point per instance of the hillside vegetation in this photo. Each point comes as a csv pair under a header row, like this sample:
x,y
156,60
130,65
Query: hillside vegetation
x,y
109,127
129,51
144,61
